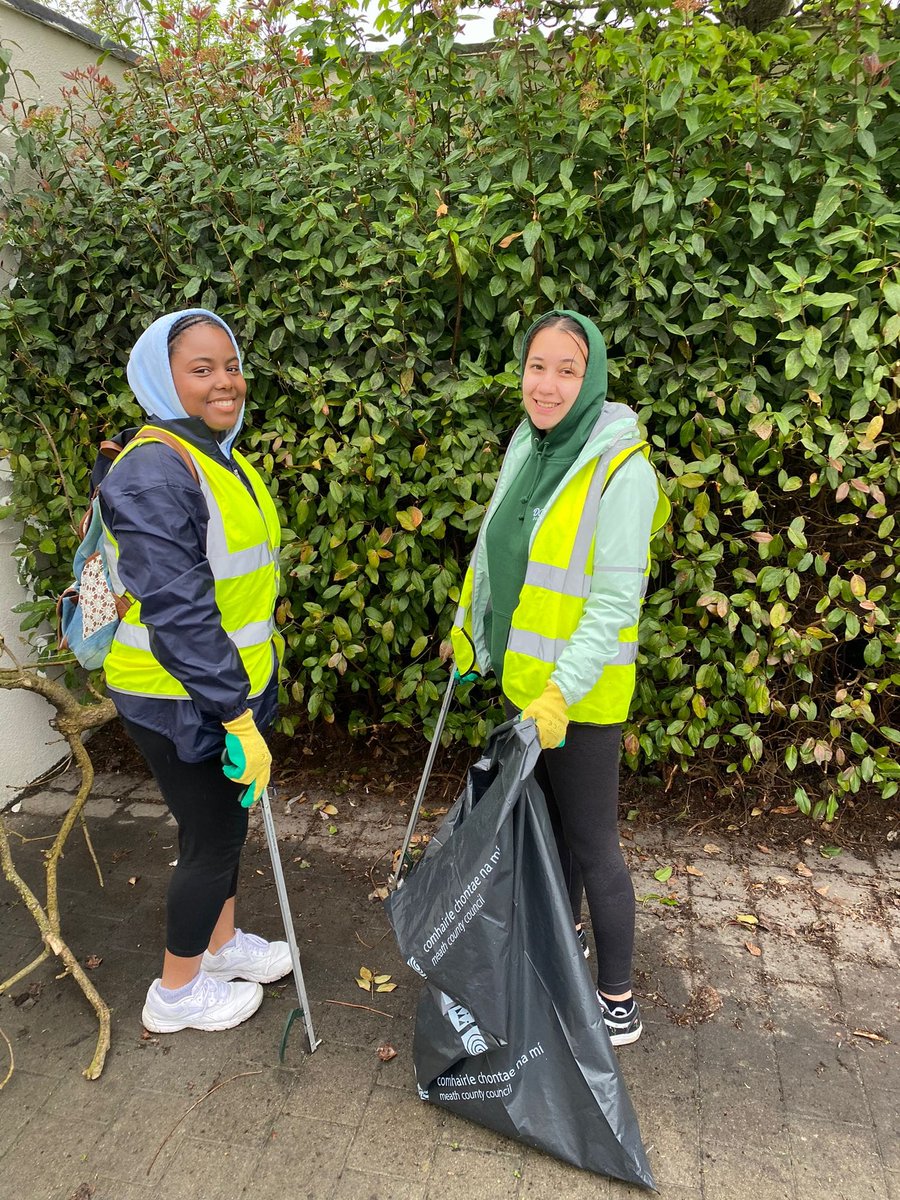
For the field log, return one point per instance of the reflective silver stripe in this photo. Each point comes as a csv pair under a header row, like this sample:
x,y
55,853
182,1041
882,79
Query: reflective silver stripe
x,y
557,579
225,563
254,634
587,523
548,650
622,571
628,652
544,649
575,579
111,559
460,618
242,562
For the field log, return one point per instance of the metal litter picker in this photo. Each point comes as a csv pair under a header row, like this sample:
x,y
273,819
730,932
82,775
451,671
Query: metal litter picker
x,y
396,879
303,1009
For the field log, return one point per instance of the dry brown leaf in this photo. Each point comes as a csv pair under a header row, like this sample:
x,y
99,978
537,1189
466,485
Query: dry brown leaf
x,y
386,987
747,919
133,880
712,848
763,848
386,1052
93,961
509,239
785,809
442,210
379,893
693,871
754,949
823,890
803,869
330,810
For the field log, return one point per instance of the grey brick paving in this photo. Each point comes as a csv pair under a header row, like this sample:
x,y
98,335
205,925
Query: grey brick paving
x,y
752,1079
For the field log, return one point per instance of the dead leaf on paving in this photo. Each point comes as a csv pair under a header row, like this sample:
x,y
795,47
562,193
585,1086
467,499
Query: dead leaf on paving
x,y
386,1052
803,869
754,949
133,880
369,981
693,871
704,1003
747,919
93,961
84,1191
379,893
712,848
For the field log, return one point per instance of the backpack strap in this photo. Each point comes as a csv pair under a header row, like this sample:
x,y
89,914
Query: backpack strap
x,y
152,433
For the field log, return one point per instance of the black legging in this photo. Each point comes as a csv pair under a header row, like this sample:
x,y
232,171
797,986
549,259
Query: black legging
x,y
581,784
212,828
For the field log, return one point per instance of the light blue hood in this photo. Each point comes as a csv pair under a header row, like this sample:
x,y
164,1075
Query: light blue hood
x,y
150,375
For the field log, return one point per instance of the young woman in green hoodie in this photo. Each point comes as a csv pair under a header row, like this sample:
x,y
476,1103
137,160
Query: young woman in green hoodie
x,y
551,602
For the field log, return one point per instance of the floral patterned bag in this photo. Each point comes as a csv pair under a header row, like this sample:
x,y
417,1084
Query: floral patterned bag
x,y
89,611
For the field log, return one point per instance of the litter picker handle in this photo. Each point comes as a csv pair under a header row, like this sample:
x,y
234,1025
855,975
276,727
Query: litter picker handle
x,y
397,878
288,922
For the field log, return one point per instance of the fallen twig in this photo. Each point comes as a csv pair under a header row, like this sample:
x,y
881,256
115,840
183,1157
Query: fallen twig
x,y
214,1088
12,1061
73,719
347,1004
90,846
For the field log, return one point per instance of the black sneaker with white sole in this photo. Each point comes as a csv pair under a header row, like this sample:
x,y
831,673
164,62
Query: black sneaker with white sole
x,y
582,941
623,1023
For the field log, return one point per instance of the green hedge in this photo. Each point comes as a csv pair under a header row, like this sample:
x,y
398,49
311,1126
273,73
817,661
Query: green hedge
x,y
380,232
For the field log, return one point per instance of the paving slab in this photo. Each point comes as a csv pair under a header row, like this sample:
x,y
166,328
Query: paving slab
x,y
753,1076
840,1161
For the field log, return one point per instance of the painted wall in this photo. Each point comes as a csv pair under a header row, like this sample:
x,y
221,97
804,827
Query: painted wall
x,y
28,746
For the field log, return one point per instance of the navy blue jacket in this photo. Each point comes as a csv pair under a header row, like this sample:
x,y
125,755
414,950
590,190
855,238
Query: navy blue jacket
x,y
158,515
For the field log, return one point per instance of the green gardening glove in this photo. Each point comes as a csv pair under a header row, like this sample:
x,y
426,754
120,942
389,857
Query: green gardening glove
x,y
246,758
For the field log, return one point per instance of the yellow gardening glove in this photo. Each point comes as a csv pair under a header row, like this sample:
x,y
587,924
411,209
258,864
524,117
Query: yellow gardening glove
x,y
246,758
551,716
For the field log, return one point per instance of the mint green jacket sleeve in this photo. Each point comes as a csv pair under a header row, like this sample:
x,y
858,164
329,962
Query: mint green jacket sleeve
x,y
622,545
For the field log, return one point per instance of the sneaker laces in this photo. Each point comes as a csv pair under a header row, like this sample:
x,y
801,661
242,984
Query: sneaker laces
x,y
250,943
208,990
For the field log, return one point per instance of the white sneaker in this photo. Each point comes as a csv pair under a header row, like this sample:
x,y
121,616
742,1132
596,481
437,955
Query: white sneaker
x,y
210,1004
248,957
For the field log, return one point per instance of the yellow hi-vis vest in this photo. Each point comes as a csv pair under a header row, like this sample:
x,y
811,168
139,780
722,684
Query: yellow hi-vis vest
x,y
553,598
242,541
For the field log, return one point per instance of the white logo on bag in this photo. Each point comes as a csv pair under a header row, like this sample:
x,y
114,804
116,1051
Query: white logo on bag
x,y
411,962
423,1092
460,1017
464,1023
473,1041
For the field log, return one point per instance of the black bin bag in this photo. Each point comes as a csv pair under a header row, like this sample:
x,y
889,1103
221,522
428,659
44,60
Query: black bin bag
x,y
509,1032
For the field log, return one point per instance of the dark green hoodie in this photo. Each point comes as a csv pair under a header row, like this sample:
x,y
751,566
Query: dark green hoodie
x,y
552,454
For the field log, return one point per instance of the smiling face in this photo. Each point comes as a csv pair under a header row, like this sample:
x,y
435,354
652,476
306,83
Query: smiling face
x,y
551,381
207,376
